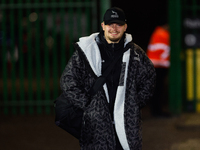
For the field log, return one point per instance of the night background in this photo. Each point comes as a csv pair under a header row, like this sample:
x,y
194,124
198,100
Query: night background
x,y
36,39
142,17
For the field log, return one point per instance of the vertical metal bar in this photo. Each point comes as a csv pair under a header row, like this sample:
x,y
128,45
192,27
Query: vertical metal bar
x,y
71,24
175,90
105,4
78,16
21,61
4,59
94,14
64,37
185,92
12,51
88,22
46,56
55,60
195,80
190,74
198,79
194,13
38,61
30,60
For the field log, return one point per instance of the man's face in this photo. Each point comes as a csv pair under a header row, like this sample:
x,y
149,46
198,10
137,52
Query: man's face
x,y
113,32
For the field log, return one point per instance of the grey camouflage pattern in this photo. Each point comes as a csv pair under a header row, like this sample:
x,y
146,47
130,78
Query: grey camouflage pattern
x,y
97,128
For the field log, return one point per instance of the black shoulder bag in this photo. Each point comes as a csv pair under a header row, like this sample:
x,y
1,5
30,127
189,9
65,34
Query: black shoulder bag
x,y
69,117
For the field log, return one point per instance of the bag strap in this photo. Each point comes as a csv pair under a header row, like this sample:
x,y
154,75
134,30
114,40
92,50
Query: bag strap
x,y
102,79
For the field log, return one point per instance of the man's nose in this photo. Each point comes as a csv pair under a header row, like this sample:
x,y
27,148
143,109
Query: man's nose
x,y
114,26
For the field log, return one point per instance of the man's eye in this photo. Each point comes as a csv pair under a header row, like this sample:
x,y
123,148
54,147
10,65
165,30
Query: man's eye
x,y
118,25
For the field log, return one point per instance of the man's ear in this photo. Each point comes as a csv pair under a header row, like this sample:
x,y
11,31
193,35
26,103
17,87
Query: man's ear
x,y
126,26
102,25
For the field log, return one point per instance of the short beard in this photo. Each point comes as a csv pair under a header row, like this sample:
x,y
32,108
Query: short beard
x,y
114,40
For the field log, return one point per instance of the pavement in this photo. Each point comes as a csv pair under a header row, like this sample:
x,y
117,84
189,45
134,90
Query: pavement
x,y
188,122
174,133
39,132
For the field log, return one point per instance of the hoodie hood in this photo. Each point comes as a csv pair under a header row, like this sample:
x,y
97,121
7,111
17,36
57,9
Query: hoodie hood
x,y
91,50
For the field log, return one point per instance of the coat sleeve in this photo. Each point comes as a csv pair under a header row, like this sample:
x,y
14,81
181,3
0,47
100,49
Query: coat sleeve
x,y
72,83
146,78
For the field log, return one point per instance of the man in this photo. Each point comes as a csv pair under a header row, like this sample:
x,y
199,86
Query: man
x,y
158,52
111,121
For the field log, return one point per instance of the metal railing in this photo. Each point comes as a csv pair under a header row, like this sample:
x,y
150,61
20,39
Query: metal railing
x,y
185,55
191,47
35,44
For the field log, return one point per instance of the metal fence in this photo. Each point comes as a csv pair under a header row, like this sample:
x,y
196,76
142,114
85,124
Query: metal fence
x,y
36,39
191,47
185,55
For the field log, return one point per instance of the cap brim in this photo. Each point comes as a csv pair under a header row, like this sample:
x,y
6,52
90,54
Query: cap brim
x,y
115,21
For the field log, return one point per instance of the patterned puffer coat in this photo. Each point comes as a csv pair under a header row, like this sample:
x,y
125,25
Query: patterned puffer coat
x,y
137,81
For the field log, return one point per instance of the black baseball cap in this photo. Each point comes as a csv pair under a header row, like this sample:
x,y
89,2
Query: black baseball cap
x,y
114,15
